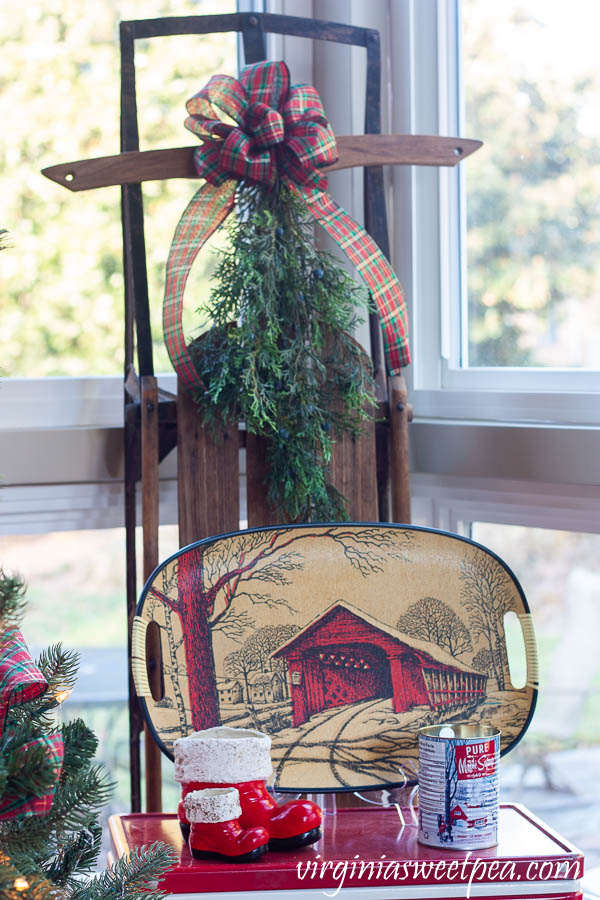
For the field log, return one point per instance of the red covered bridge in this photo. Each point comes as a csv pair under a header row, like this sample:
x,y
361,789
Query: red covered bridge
x,y
347,656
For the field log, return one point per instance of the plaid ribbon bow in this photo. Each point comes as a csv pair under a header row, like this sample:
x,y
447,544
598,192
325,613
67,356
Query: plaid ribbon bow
x,y
279,131
20,681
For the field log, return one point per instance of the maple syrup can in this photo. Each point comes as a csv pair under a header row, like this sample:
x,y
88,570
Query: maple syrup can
x,y
458,786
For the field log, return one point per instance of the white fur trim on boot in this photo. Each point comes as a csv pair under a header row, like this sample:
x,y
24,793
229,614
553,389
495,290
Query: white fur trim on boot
x,y
223,755
213,805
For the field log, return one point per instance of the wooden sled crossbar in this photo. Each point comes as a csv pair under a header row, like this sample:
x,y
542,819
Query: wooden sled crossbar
x,y
354,150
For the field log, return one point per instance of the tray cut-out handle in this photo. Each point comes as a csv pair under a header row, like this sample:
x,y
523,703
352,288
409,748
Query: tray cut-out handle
x,y
531,650
139,668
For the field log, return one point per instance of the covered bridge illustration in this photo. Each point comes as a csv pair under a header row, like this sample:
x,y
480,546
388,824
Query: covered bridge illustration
x,y
346,656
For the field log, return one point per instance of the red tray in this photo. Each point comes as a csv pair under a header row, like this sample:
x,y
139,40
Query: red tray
x,y
530,861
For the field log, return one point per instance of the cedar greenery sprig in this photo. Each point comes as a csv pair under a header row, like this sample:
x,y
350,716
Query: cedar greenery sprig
x,y
279,354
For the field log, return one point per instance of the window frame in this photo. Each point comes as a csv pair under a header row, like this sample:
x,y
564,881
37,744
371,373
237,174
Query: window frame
x,y
62,453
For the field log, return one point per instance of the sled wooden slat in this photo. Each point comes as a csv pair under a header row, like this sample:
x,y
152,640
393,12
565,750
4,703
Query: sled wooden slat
x,y
207,475
354,473
400,416
259,512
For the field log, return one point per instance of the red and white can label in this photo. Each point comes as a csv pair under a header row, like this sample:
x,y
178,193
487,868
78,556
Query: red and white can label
x,y
458,791
475,760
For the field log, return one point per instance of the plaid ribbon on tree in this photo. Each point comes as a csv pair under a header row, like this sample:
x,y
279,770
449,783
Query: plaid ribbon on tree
x,y
21,681
20,678
279,132
16,805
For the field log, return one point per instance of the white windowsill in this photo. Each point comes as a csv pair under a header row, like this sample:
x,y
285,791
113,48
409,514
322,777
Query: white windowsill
x,y
55,403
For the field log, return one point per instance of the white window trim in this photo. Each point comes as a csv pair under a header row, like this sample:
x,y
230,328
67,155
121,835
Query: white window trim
x,y
452,503
62,455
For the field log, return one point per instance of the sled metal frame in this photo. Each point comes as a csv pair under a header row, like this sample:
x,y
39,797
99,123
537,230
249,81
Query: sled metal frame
x,y
374,470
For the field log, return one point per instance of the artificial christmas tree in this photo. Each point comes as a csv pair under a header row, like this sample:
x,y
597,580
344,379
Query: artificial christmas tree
x,y
50,790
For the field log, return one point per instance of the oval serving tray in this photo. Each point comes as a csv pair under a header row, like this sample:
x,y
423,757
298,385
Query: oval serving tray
x,y
340,641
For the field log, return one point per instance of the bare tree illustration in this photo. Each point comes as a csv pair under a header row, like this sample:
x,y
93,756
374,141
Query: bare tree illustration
x,y
257,648
235,624
240,664
169,577
488,595
211,576
433,620
482,662
280,635
263,643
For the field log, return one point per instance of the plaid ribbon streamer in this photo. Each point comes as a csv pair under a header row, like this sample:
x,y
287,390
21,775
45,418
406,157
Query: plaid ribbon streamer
x,y
14,805
20,681
20,678
279,131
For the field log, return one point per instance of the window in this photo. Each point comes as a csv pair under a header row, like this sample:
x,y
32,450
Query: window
x,y
62,286
499,229
62,279
532,193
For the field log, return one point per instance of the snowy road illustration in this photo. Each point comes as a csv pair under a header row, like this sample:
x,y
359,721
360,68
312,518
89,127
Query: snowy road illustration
x,y
356,745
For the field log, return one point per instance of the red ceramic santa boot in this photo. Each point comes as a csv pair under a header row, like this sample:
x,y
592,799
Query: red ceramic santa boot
x,y
240,757
215,828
